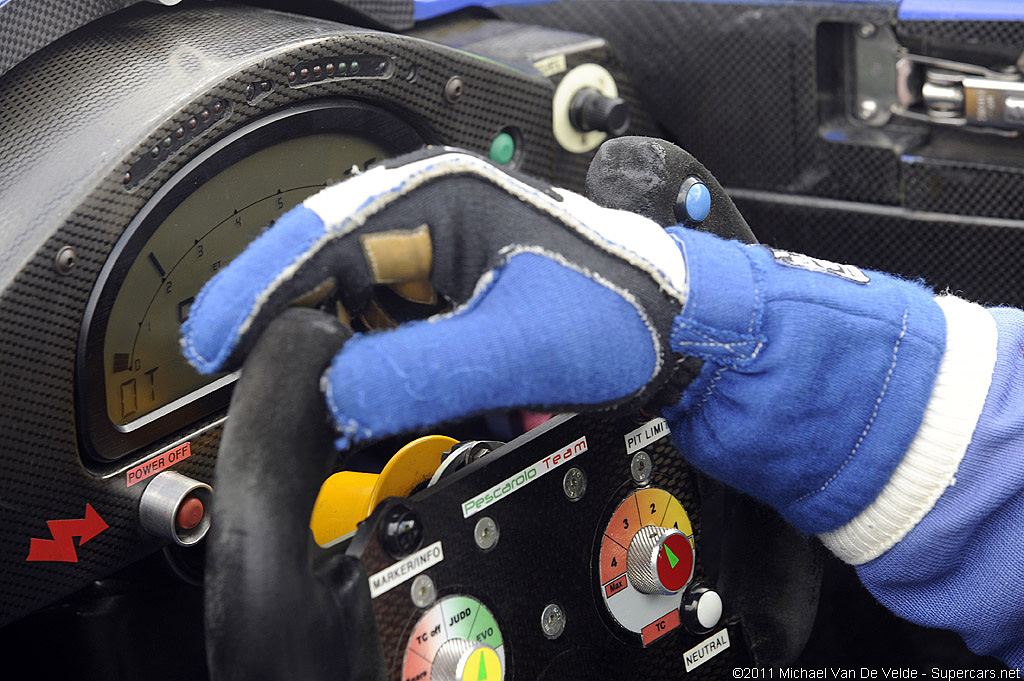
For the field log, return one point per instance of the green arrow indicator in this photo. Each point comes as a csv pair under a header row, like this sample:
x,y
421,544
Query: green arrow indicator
x,y
672,560
482,675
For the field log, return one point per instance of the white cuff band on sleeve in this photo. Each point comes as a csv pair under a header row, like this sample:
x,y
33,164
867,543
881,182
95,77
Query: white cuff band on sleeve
x,y
931,462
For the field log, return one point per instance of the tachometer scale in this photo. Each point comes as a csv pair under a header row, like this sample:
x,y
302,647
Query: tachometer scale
x,y
646,560
457,639
200,220
145,371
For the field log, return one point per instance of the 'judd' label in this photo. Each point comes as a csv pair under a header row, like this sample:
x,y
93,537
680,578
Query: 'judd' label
x,y
523,478
157,464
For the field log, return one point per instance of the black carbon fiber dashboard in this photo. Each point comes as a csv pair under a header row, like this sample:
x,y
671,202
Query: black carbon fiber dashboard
x,y
79,122
95,124
29,26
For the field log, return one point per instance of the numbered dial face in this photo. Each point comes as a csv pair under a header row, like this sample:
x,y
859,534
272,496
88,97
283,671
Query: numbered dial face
x,y
144,371
639,526
460,627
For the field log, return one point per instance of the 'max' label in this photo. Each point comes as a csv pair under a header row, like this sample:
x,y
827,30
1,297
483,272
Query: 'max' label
x,y
704,651
516,482
404,570
645,435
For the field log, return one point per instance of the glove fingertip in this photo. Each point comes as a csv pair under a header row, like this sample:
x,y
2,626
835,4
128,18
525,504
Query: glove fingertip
x,y
227,307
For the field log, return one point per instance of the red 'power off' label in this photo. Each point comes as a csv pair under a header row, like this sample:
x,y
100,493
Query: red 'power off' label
x,y
157,464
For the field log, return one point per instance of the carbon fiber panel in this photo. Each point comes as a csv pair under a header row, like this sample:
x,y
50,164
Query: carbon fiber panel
x,y
393,14
735,85
982,189
977,33
521,46
62,184
975,258
29,25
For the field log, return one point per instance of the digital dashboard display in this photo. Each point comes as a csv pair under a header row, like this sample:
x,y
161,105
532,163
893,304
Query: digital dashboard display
x,y
145,373
134,388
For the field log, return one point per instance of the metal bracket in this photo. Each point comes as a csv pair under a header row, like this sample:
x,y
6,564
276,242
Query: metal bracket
x,y
875,52
957,94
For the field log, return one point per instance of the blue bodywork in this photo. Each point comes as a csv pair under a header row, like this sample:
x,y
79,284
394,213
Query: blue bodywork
x,y
909,10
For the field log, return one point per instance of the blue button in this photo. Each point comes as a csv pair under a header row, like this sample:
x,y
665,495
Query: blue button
x,y
698,201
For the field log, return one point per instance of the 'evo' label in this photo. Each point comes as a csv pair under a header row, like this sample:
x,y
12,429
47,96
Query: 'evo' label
x,y
524,477
404,570
645,435
705,650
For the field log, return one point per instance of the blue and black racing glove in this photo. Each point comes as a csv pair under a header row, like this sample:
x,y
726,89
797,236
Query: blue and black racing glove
x,y
845,399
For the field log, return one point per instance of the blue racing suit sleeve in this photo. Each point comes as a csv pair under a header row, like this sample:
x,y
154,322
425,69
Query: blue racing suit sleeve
x,y
886,420
960,567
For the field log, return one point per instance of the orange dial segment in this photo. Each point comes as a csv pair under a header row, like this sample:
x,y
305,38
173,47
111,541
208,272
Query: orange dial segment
x,y
613,560
624,523
652,505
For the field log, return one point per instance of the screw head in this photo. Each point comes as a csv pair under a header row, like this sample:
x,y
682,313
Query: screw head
x,y
867,109
486,534
453,89
423,591
867,30
641,468
552,621
574,483
65,260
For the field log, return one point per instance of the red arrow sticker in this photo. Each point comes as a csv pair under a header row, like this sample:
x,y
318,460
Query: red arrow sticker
x,y
61,549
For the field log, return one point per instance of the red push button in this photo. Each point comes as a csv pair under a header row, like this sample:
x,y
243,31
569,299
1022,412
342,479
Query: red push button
x,y
190,514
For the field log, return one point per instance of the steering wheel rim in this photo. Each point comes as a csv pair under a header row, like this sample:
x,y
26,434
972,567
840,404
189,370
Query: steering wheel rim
x,y
278,606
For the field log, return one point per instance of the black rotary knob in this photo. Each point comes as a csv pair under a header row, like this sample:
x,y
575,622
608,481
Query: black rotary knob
x,y
590,109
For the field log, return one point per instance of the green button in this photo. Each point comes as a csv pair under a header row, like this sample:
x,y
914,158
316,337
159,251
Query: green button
x,y
503,147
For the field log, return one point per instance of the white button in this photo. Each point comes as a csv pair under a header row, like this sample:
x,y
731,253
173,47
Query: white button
x,y
709,609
